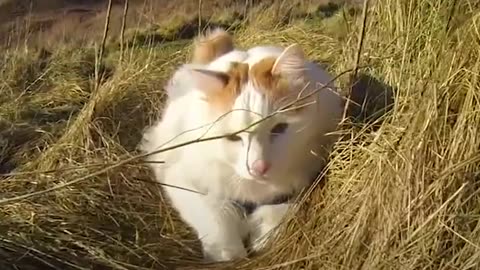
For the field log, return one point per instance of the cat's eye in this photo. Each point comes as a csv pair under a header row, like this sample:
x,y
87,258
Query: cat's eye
x,y
233,138
279,128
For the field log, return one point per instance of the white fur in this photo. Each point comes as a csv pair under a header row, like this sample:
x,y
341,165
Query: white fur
x,y
219,169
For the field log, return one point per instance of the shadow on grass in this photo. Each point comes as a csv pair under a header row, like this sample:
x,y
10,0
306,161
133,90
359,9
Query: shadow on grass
x,y
371,100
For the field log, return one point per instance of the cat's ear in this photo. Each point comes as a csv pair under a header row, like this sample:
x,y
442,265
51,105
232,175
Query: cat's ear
x,y
209,81
291,62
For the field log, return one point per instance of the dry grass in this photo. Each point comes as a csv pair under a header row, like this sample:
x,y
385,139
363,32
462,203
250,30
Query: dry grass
x,y
405,195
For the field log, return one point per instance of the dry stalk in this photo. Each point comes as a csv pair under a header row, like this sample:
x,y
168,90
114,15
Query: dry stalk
x,y
357,55
102,46
200,4
122,31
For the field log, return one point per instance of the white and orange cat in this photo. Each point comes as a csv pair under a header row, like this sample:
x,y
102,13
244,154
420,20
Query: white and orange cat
x,y
275,108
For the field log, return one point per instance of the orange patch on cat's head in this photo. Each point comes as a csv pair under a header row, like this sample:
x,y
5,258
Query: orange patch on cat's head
x,y
232,82
281,78
274,86
278,78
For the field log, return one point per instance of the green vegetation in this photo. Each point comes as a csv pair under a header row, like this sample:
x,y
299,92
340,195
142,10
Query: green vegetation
x,y
402,195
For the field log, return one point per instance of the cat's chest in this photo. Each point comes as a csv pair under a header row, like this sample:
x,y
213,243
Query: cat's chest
x,y
221,181
255,192
246,190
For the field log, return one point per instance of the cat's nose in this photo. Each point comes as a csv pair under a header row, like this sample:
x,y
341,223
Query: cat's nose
x,y
260,167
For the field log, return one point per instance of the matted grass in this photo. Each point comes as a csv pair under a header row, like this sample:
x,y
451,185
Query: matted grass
x,y
405,195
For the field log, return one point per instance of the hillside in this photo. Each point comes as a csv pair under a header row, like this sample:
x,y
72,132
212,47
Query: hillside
x,y
403,186
51,23
54,22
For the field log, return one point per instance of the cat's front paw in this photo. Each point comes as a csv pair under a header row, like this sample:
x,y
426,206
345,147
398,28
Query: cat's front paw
x,y
221,253
263,223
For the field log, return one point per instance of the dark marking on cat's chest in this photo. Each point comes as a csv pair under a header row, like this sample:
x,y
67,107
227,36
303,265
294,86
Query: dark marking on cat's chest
x,y
249,207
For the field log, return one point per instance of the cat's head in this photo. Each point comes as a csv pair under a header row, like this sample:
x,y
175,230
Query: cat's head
x,y
265,106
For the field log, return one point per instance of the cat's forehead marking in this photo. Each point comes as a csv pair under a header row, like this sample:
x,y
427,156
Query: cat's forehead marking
x,y
276,87
270,86
238,76
273,86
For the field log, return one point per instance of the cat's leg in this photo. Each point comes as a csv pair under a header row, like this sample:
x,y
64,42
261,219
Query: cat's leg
x,y
263,222
218,223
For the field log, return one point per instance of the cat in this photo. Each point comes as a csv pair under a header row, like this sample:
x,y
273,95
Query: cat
x,y
269,147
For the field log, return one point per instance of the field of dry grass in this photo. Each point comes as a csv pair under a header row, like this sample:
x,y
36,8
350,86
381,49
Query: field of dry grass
x,y
402,190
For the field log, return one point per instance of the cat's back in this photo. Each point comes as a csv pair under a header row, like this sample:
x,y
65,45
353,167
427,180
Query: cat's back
x,y
223,62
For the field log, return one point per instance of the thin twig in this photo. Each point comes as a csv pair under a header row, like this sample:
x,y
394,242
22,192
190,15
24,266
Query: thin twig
x,y
451,14
200,4
102,45
477,247
433,215
122,31
358,55
168,185
85,166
